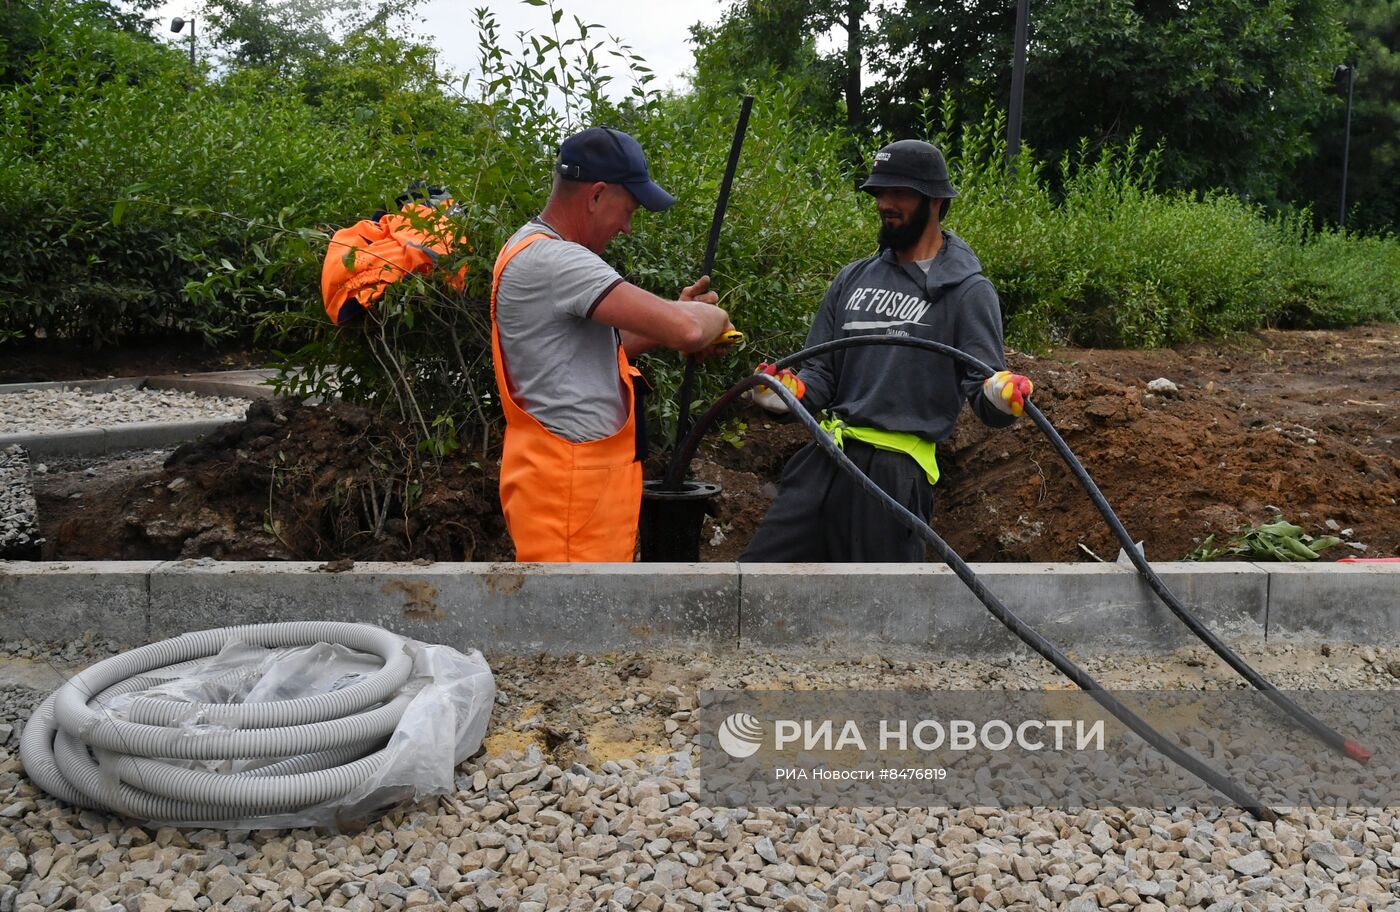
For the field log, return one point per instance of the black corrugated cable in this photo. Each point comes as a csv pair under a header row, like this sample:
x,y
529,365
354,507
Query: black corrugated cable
x,y
1027,634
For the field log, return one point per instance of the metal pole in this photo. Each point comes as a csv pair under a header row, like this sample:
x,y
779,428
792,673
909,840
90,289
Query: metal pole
x,y
1018,85
688,380
1346,148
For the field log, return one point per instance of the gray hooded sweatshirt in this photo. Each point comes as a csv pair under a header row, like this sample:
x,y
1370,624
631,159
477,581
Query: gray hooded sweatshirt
x,y
908,390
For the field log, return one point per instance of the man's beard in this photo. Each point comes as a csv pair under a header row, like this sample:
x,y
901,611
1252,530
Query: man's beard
x,y
902,237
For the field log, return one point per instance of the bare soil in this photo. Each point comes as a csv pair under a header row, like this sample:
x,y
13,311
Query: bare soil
x,y
1306,424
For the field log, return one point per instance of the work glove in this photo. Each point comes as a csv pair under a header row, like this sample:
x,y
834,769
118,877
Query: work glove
x,y
1008,392
770,400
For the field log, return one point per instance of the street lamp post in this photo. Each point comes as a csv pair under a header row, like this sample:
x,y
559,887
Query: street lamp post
x,y
1350,69
177,24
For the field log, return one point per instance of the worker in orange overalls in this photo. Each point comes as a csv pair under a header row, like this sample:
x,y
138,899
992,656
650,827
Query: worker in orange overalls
x,y
563,325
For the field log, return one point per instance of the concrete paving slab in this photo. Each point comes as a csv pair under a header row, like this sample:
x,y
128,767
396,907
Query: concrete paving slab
x,y
506,608
56,600
1078,607
1357,602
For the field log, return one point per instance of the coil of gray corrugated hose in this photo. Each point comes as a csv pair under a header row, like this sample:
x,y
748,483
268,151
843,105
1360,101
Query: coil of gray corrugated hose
x,y
314,749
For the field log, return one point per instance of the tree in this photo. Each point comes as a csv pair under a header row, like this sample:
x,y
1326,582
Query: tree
x,y
271,33
1230,88
283,35
959,50
132,16
760,39
23,26
1373,174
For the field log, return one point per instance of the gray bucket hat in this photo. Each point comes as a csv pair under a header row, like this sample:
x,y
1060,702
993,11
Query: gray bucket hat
x,y
911,163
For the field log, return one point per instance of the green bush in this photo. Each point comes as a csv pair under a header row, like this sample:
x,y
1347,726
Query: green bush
x,y
150,196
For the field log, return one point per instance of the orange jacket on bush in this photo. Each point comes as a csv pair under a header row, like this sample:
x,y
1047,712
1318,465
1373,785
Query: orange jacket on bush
x,y
364,259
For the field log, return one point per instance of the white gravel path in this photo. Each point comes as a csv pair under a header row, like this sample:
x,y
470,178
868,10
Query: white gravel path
x,y
60,408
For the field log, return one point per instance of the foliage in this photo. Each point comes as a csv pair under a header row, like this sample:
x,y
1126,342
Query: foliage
x,y
1109,261
791,223
1373,187
286,36
168,202
152,196
757,42
1237,93
763,42
1228,89
271,33
1279,540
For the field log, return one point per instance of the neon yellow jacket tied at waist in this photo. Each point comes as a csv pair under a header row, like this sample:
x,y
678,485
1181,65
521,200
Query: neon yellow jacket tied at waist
x,y
922,451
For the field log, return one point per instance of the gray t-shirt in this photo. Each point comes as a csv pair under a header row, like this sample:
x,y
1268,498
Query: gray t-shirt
x,y
561,365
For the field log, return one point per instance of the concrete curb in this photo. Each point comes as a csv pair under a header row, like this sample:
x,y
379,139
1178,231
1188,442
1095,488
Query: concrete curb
x,y
570,608
246,384
243,384
97,441
1353,601
91,386
1086,607
513,608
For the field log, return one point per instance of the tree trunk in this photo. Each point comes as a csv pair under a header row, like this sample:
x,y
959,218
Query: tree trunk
x,y
855,114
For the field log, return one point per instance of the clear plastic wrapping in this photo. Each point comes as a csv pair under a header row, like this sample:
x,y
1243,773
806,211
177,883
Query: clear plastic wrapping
x,y
448,696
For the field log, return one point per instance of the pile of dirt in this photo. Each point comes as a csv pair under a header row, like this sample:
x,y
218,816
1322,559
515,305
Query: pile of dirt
x,y
292,482
1306,424
1207,459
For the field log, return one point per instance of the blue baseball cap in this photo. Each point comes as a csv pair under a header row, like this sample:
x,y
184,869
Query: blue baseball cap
x,y
605,154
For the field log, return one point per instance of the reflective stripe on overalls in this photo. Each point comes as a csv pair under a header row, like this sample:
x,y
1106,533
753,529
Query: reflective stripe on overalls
x,y
565,501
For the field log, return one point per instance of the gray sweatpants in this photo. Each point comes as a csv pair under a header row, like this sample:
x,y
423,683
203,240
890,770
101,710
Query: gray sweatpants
x,y
822,515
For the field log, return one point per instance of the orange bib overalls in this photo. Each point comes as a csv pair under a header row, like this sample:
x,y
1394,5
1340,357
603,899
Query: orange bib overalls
x,y
566,501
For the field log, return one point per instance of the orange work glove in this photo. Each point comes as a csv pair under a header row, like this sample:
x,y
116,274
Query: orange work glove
x,y
770,400
1008,392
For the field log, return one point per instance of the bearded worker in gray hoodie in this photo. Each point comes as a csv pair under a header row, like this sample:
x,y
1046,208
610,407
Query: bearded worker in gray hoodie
x,y
889,407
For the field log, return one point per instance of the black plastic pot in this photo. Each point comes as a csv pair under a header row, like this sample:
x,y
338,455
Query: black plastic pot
x,y
671,520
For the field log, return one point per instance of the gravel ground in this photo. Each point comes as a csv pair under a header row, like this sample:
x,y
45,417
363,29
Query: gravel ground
x,y
582,800
61,408
19,524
